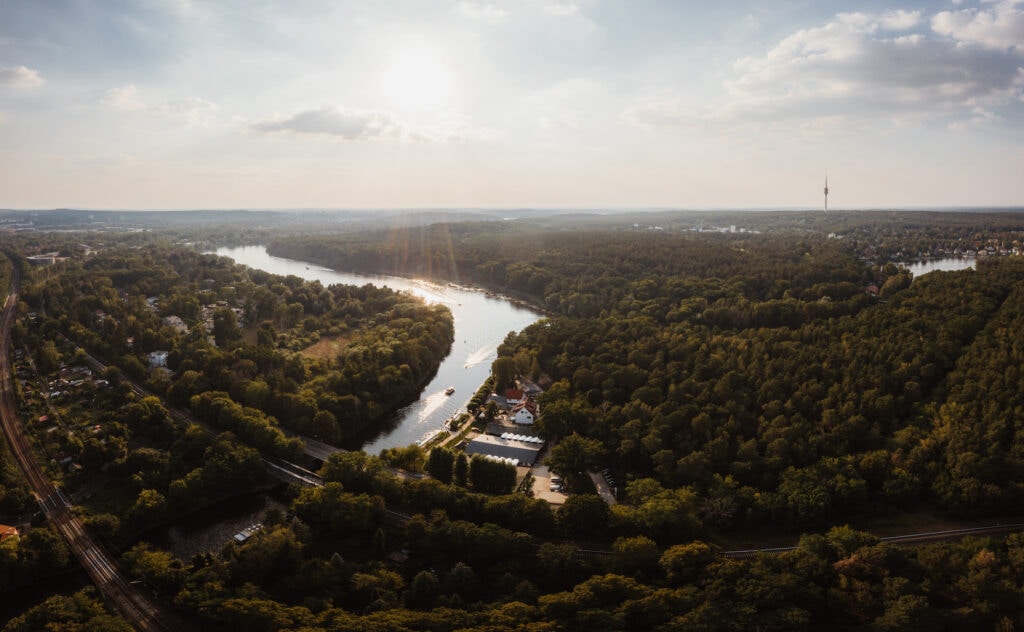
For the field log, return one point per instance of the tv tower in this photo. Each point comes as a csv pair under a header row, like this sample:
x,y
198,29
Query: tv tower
x,y
826,194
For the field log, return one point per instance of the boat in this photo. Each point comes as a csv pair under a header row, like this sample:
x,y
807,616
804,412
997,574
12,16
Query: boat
x,y
449,390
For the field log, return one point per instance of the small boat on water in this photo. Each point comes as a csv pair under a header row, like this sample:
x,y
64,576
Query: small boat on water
x,y
449,390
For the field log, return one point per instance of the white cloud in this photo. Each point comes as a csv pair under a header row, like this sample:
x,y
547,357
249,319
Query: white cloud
x,y
561,8
123,98
330,121
856,66
189,110
999,27
489,13
900,20
979,116
351,124
663,112
560,119
20,77
447,131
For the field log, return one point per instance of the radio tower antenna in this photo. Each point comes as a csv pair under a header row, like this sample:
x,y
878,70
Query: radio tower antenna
x,y
826,193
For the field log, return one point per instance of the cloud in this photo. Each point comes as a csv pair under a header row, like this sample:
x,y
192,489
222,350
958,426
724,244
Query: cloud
x,y
979,117
331,121
20,77
664,112
489,13
355,125
447,131
123,98
900,20
561,8
998,27
857,66
190,110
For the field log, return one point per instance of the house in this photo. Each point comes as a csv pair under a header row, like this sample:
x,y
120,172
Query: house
x,y
7,531
500,400
525,413
514,396
176,323
45,259
158,359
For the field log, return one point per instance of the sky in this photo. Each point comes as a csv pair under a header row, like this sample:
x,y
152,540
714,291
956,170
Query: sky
x,y
184,104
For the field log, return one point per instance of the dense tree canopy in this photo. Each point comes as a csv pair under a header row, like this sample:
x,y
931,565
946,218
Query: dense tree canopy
x,y
729,382
254,338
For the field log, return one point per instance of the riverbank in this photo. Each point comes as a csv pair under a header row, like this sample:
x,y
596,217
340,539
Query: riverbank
x,y
482,320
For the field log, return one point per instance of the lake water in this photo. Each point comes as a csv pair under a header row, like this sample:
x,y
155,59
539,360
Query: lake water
x,y
481,323
950,264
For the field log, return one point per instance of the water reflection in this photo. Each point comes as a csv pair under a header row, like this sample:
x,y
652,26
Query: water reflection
x,y
481,323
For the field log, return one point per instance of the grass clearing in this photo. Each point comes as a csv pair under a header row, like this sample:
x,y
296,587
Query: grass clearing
x,y
326,348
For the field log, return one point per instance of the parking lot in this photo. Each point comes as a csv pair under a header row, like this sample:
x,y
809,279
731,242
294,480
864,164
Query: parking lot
x,y
542,485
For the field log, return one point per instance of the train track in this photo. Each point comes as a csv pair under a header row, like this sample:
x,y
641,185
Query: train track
x,y
101,566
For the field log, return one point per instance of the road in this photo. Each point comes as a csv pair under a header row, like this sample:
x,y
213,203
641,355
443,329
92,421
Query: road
x,y
131,602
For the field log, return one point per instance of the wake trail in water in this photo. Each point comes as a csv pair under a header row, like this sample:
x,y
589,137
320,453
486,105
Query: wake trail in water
x,y
483,353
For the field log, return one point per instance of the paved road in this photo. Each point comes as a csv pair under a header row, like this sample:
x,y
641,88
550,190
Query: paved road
x,y
131,602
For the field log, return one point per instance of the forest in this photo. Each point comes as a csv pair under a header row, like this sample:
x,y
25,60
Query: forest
x,y
239,342
786,379
789,378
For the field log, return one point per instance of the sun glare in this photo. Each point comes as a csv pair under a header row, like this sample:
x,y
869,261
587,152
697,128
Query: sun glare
x,y
417,79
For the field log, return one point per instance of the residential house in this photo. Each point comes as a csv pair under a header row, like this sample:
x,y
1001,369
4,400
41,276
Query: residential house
x,y
525,413
158,359
514,396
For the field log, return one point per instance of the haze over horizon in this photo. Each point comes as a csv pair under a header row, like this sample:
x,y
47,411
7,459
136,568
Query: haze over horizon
x,y
542,103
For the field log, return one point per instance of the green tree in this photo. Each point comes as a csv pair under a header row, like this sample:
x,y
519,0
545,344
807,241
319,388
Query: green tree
x,y
80,611
441,464
583,517
638,555
225,326
684,563
574,455
423,591
461,474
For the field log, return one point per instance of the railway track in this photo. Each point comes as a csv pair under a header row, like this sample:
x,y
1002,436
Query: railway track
x,y
101,566
907,539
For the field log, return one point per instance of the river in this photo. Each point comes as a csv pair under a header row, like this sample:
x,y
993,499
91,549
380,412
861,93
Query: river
x,y
481,323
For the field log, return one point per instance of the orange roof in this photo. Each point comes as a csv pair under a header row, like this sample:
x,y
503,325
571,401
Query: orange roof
x,y
7,531
530,406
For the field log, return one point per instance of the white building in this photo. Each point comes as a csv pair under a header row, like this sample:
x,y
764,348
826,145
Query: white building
x,y
158,359
525,414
